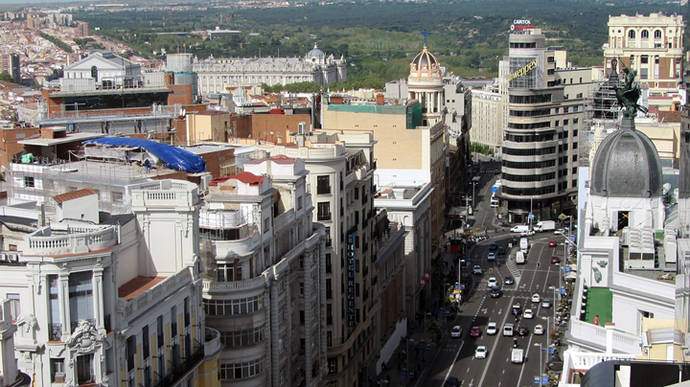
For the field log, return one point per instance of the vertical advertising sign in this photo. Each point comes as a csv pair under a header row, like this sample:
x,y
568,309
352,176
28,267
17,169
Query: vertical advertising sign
x,y
351,279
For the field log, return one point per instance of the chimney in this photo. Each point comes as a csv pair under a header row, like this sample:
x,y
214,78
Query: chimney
x,y
379,99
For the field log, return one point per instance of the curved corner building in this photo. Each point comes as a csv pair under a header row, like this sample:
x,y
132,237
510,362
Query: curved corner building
x,y
546,108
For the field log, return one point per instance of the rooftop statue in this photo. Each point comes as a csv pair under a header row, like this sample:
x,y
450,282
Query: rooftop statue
x,y
628,95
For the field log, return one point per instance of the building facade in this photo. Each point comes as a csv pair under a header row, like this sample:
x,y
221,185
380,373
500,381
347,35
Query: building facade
x,y
218,74
263,287
651,44
546,109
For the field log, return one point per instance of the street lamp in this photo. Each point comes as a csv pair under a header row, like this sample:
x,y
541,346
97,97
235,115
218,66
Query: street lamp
x,y
541,363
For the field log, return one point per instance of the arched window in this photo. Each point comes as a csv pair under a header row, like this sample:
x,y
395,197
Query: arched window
x,y
657,34
94,72
644,34
631,34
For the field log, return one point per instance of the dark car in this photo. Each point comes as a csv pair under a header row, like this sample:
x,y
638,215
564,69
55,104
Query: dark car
x,y
496,292
451,382
493,247
508,280
475,331
501,251
555,260
522,330
516,310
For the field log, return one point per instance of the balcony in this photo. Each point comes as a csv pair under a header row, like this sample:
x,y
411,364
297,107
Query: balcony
x,y
595,336
212,345
73,240
220,219
248,284
178,375
155,295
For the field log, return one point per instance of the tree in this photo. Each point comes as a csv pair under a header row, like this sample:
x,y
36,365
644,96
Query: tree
x,y
5,76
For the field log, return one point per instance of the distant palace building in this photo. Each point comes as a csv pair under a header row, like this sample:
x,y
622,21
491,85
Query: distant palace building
x,y
217,74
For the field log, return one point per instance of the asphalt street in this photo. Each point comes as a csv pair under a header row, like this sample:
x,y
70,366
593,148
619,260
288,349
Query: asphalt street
x,y
537,275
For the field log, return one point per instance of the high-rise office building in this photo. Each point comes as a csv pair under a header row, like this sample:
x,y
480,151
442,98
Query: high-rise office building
x,y
546,108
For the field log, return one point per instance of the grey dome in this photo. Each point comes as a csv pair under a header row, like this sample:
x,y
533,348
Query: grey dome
x,y
315,52
626,165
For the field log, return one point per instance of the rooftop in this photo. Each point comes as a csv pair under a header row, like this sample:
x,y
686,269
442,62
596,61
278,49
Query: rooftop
x,y
599,303
71,137
137,286
132,90
73,195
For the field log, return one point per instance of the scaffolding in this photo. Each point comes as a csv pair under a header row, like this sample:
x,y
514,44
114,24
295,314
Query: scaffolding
x,y
601,118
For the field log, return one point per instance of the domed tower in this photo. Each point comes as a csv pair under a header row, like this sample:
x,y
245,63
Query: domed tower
x,y
626,183
316,56
426,86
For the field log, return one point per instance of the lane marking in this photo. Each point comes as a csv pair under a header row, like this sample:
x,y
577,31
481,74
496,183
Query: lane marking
x,y
495,345
454,360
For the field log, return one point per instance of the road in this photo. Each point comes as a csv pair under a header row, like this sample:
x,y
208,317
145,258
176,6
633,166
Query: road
x,y
538,275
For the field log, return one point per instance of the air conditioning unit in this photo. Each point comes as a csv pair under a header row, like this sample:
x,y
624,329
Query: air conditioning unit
x,y
59,377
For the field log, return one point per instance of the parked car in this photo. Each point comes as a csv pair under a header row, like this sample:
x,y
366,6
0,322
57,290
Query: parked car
x,y
491,328
536,298
475,331
546,303
492,282
508,329
522,330
476,269
555,260
517,309
528,313
480,352
538,329
552,243
508,280
456,332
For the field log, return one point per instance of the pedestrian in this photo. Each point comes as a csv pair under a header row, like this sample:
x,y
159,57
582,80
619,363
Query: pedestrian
x,y
596,320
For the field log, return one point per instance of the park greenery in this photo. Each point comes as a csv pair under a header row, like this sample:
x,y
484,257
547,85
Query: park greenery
x,y
377,38
59,43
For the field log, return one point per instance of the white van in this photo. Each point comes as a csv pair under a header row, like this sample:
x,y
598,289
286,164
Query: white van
x,y
520,258
520,228
524,245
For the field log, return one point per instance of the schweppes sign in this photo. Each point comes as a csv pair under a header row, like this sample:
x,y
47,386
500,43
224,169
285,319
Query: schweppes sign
x,y
522,71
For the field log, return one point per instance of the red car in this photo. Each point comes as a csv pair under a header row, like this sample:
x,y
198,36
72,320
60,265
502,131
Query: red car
x,y
552,244
475,331
555,260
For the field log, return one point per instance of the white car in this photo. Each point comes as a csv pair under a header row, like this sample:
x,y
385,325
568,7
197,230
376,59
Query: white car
x,y
546,303
528,313
527,233
538,329
536,298
492,282
480,352
508,329
491,329
560,231
456,332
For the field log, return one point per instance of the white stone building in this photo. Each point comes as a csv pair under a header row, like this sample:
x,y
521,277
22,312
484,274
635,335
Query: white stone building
x,y
216,75
101,70
264,275
103,302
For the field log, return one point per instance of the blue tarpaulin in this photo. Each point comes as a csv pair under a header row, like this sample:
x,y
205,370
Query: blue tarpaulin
x,y
172,156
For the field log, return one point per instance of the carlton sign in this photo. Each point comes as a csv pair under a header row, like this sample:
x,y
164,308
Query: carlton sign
x,y
521,24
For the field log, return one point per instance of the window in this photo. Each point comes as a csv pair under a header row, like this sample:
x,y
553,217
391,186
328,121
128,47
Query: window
x,y
323,185
644,34
84,369
28,181
15,309
657,34
631,34
173,322
187,316
131,352
301,317
329,289
329,314
159,330
225,272
329,339
299,202
644,73
57,370
80,298
145,342
239,371
644,59
323,211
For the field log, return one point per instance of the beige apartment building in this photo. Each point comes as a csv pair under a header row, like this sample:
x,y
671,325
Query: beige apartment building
x,y
489,113
652,45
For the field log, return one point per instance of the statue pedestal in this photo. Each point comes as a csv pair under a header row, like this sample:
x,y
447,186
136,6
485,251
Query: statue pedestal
x,y
628,123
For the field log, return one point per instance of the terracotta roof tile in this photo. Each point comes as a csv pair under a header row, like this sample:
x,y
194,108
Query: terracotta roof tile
x,y
137,286
73,195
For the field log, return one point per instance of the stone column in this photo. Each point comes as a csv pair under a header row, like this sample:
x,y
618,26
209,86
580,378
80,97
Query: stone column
x,y
63,301
97,285
276,340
